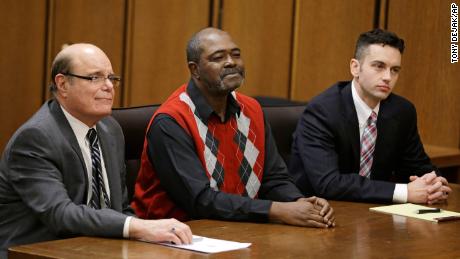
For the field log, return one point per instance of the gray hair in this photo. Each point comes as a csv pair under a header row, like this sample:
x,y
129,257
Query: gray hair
x,y
61,65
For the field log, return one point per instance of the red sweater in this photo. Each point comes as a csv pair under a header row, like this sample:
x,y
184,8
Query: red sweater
x,y
240,143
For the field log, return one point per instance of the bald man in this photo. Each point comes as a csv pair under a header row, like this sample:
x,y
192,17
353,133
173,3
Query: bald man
x,y
62,173
210,152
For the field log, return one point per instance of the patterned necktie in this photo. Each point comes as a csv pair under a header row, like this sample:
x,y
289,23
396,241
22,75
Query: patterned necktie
x,y
97,185
368,146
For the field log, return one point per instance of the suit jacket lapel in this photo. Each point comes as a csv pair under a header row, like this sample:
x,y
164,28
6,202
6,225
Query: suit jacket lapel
x,y
107,148
351,122
68,133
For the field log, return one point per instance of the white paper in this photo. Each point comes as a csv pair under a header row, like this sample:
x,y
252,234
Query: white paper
x,y
210,245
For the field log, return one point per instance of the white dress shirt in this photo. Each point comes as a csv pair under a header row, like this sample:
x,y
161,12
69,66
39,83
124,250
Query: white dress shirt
x,y
80,130
363,111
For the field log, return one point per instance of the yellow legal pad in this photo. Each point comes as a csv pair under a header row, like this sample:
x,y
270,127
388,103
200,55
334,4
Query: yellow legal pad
x,y
410,210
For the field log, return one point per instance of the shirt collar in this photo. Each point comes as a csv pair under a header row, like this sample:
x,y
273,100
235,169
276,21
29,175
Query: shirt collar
x,y
205,111
79,128
362,109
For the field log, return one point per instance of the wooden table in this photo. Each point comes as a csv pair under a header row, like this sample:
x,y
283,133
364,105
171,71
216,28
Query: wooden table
x,y
359,234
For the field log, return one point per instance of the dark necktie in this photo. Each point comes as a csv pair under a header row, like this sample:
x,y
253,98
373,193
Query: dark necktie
x,y
368,146
97,185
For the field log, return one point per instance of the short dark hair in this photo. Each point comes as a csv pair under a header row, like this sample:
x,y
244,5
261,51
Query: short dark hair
x,y
61,65
377,36
194,49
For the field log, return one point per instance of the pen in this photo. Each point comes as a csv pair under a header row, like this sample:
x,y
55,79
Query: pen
x,y
424,211
448,218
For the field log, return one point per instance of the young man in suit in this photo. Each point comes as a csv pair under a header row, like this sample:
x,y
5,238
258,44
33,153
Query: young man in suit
x,y
357,138
62,173
209,152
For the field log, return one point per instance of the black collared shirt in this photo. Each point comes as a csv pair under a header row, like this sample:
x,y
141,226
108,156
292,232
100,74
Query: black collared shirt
x,y
205,110
173,155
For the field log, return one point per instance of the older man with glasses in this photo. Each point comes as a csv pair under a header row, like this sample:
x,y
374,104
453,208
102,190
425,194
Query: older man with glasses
x,y
62,173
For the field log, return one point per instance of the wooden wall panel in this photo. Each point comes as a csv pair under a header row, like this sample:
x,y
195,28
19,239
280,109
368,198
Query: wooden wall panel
x,y
263,30
158,32
98,22
292,48
428,78
326,33
23,32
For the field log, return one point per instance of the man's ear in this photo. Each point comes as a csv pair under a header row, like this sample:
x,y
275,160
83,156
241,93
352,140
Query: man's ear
x,y
60,81
194,70
354,67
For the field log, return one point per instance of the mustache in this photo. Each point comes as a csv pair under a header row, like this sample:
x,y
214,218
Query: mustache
x,y
233,70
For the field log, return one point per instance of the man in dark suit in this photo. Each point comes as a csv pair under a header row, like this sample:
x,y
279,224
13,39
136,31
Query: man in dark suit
x,y
356,139
62,173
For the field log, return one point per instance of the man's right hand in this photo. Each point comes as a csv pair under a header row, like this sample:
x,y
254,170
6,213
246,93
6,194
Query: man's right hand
x,y
299,213
428,188
162,230
324,208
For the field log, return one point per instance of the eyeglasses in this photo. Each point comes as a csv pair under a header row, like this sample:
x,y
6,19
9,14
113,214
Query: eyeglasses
x,y
115,80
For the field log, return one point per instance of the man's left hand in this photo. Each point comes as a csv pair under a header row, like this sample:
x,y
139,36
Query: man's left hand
x,y
325,210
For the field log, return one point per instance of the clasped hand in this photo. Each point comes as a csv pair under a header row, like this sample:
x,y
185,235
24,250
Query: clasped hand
x,y
307,212
429,189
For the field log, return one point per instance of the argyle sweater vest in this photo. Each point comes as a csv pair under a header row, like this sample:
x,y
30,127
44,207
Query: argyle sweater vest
x,y
232,154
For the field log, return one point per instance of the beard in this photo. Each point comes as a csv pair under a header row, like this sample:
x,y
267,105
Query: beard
x,y
223,87
229,80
